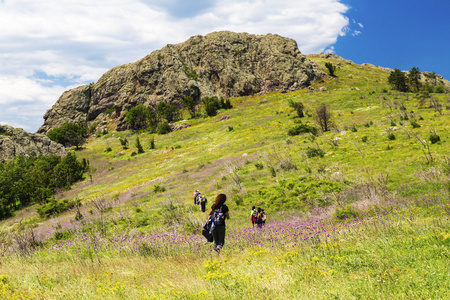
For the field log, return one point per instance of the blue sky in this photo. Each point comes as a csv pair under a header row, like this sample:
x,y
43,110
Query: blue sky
x,y
49,46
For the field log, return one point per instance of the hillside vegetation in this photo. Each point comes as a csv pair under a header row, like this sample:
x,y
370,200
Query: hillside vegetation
x,y
357,212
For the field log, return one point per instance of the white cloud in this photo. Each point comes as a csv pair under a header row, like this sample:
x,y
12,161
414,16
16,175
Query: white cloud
x,y
49,46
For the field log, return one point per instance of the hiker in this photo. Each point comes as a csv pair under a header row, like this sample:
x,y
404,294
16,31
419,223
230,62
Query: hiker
x,y
196,196
203,201
219,212
259,217
263,217
253,215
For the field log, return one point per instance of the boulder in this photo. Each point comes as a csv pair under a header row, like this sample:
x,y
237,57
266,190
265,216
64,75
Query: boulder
x,y
16,141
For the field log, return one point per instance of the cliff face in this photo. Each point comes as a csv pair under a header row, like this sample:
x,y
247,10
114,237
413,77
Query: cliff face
x,y
16,141
222,64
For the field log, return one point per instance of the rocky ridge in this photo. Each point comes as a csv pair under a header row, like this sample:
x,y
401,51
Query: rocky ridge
x,y
222,64
16,141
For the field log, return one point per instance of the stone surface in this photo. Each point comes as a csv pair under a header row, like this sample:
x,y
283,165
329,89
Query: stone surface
x,y
222,64
16,141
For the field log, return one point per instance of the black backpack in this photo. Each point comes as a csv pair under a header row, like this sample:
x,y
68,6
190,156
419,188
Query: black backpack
x,y
218,217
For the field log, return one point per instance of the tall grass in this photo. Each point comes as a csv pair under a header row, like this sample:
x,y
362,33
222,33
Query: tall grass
x,y
367,220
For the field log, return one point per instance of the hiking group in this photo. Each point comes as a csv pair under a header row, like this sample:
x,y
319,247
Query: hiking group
x,y
200,201
258,217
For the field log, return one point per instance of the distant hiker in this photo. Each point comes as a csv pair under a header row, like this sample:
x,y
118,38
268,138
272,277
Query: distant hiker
x,y
263,217
253,215
203,201
259,218
219,212
196,196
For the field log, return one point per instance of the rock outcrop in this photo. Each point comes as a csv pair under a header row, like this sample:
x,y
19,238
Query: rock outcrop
x,y
16,141
222,64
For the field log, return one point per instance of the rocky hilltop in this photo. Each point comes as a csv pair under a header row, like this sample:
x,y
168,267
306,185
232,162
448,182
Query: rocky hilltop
x,y
16,141
222,64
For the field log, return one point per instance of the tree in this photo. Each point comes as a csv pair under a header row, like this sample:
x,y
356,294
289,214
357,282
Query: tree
x,y
211,105
414,79
331,68
398,80
189,103
69,134
141,117
139,145
298,106
324,117
167,110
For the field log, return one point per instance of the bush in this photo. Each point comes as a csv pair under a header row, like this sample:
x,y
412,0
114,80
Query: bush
x,y
163,128
364,139
314,152
54,207
346,212
259,166
414,124
158,189
168,111
140,117
391,136
331,68
434,138
211,106
302,128
63,235
139,145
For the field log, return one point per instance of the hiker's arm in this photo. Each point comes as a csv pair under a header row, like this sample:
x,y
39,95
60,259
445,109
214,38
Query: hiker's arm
x,y
227,215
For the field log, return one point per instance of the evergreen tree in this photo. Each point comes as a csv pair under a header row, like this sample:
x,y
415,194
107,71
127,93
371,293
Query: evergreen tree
x,y
398,80
414,79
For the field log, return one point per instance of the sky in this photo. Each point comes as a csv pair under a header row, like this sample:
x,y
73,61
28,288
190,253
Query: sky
x,y
50,46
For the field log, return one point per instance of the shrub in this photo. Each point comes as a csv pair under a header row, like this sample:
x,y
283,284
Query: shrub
x,y
273,173
314,152
139,145
391,136
211,106
302,128
346,212
331,68
108,149
163,128
168,111
434,138
259,166
140,117
158,189
364,139
298,106
124,142
54,207
414,124
63,235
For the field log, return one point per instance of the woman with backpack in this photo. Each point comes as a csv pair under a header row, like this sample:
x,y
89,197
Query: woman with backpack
x,y
259,218
253,215
219,212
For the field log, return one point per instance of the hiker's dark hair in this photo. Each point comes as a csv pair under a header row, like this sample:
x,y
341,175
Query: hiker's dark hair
x,y
220,200
253,207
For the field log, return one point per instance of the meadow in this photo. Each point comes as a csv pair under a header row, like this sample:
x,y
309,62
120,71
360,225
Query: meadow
x,y
368,219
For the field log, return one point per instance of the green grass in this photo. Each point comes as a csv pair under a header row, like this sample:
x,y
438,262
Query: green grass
x,y
402,254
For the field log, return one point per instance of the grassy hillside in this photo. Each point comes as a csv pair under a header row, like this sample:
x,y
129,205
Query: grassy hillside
x,y
366,218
